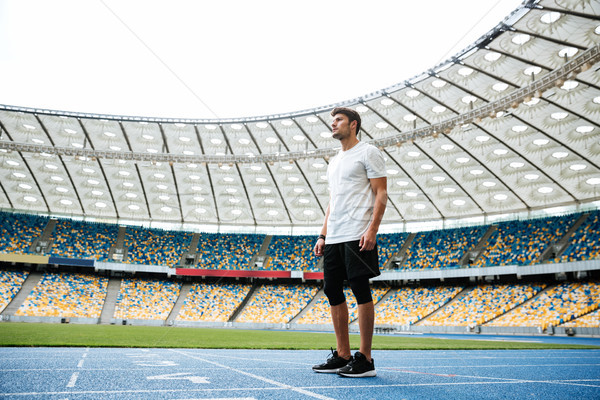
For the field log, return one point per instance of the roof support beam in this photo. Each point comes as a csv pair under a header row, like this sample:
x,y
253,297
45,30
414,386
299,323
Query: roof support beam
x,y
239,174
65,167
210,182
164,139
432,159
112,197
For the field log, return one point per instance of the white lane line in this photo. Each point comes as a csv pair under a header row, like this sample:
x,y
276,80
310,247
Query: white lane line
x,y
73,380
569,382
261,378
509,380
223,398
75,375
271,389
143,391
391,368
495,366
260,359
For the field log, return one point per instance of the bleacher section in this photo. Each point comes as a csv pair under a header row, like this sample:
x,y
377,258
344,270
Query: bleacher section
x,y
512,243
77,239
569,304
227,251
150,299
18,231
213,302
319,312
66,295
522,242
291,253
590,320
585,243
388,244
441,248
570,238
408,305
554,306
482,304
277,303
155,246
10,284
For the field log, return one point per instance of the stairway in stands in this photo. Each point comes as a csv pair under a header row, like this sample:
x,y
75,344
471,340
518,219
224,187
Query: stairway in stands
x,y
32,280
110,302
183,293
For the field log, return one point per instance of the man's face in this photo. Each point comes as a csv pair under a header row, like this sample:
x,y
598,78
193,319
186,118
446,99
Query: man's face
x,y
341,126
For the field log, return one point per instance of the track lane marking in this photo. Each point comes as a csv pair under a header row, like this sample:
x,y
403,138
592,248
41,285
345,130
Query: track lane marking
x,y
261,378
332,387
419,372
569,382
73,380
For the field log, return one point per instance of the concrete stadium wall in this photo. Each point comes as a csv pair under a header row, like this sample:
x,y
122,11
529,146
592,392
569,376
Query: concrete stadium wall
x,y
52,320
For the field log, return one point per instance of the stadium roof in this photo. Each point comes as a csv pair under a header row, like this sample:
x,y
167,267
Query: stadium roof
x,y
509,124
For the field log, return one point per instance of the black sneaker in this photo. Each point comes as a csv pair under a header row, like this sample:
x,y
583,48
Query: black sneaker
x,y
359,367
333,363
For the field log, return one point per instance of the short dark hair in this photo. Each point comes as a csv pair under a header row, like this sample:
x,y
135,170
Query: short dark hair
x,y
350,113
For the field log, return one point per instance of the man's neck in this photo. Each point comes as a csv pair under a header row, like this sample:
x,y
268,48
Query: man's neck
x,y
349,143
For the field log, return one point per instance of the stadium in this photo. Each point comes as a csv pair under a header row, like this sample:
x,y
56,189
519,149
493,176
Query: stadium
x,y
492,225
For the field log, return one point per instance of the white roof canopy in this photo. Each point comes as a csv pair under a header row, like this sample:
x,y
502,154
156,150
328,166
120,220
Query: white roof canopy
x,y
508,125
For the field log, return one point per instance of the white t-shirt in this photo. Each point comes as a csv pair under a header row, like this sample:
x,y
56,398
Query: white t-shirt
x,y
351,198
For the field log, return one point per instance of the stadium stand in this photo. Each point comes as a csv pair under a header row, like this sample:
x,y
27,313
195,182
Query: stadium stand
x,y
10,284
146,298
291,253
277,303
590,320
319,312
296,252
18,231
66,295
155,246
482,304
441,248
408,305
513,243
228,251
585,242
213,302
554,306
388,244
522,242
77,239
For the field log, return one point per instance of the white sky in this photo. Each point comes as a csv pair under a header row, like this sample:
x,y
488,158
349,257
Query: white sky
x,y
239,58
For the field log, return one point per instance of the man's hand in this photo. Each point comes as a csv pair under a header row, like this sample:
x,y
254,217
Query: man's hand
x,y
368,241
319,246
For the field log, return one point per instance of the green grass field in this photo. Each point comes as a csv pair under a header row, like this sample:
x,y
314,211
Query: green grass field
x,y
71,335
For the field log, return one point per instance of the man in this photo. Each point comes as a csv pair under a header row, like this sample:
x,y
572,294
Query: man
x,y
358,196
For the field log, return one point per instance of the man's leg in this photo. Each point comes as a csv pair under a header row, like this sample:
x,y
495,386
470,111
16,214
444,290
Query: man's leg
x,y
366,313
366,322
339,317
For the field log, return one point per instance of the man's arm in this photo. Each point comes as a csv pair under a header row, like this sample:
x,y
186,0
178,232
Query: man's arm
x,y
320,245
379,188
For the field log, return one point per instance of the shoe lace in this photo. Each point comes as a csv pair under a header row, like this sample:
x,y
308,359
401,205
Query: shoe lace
x,y
333,354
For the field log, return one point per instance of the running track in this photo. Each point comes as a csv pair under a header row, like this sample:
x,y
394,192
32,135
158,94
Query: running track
x,y
113,373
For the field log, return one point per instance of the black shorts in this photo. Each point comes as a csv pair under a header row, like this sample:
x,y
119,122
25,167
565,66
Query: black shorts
x,y
344,261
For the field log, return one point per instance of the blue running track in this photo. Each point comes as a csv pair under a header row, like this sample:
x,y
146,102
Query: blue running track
x,y
115,373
